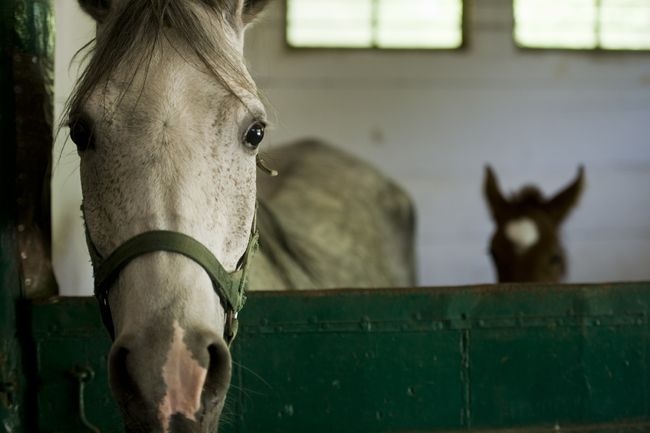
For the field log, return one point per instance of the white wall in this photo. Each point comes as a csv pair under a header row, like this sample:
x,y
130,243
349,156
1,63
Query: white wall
x,y
433,119
69,253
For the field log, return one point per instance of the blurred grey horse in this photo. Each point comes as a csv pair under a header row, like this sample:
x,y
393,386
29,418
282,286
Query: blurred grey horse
x,y
330,220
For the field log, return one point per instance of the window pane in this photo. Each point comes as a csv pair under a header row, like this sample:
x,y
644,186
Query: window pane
x,y
625,24
555,23
329,23
375,23
419,23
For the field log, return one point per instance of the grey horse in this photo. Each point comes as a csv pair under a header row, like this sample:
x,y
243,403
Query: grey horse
x,y
330,220
168,124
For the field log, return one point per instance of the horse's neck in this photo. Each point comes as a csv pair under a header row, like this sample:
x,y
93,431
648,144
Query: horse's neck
x,y
330,220
278,250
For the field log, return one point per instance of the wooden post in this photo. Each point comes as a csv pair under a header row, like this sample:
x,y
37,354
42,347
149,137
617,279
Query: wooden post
x,y
26,78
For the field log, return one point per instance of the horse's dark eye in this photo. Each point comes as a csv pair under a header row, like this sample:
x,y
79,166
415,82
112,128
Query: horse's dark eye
x,y
81,134
254,135
556,260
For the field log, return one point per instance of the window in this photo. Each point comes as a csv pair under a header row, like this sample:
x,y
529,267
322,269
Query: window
x,y
402,24
583,24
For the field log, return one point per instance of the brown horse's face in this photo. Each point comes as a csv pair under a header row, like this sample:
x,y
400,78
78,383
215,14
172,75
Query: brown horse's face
x,y
167,122
526,245
528,249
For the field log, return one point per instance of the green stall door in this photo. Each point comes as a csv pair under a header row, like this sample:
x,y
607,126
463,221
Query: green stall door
x,y
494,358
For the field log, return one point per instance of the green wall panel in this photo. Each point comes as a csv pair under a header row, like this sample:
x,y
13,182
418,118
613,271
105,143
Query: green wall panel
x,y
602,382
26,39
348,382
495,358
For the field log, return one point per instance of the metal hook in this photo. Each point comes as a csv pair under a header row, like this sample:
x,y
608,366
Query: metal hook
x,y
262,166
84,374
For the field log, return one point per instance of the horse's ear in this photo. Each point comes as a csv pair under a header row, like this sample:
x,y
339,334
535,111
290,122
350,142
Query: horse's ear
x,y
252,8
98,9
498,205
561,205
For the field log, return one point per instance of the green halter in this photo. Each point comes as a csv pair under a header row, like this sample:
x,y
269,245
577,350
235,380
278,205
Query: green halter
x,y
231,287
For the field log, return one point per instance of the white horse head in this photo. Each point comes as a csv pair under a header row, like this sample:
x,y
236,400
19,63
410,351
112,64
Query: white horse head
x,y
167,122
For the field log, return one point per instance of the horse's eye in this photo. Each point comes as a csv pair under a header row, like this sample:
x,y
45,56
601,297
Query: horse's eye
x,y
254,135
556,260
81,134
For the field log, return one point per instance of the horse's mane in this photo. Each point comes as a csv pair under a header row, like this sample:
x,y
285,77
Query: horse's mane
x,y
137,26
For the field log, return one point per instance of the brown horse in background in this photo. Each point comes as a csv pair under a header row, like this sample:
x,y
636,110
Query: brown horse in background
x,y
526,245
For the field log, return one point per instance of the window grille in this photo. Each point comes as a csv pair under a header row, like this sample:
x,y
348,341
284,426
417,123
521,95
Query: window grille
x,y
390,24
583,24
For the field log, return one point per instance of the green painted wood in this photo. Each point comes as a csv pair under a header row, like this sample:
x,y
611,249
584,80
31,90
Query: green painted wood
x,y
519,358
9,279
25,35
12,383
32,56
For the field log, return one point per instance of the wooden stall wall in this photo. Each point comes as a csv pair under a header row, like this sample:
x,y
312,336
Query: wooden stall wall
x,y
517,358
27,40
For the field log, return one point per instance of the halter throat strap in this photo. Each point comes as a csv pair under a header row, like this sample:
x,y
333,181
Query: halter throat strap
x,y
230,287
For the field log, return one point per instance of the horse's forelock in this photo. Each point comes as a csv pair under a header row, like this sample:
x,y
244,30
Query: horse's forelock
x,y
136,26
528,197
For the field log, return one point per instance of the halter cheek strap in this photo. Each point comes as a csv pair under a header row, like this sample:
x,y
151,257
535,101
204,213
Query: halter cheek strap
x,y
231,287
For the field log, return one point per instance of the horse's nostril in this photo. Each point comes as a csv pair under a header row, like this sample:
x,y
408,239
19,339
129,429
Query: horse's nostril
x,y
218,377
118,361
120,378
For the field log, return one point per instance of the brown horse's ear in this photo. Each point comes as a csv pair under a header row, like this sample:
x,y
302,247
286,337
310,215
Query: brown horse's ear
x,y
252,8
561,205
98,9
498,205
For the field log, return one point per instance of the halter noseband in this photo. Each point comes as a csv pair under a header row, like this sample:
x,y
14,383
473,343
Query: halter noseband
x,y
230,287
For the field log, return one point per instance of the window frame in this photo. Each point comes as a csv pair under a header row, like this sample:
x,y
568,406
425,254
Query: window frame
x,y
598,49
375,48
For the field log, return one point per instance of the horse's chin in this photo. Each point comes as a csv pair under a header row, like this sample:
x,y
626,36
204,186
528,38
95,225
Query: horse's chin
x,y
144,422
178,424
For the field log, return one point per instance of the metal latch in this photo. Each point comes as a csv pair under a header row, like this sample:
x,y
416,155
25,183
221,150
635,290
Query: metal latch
x,y
83,375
